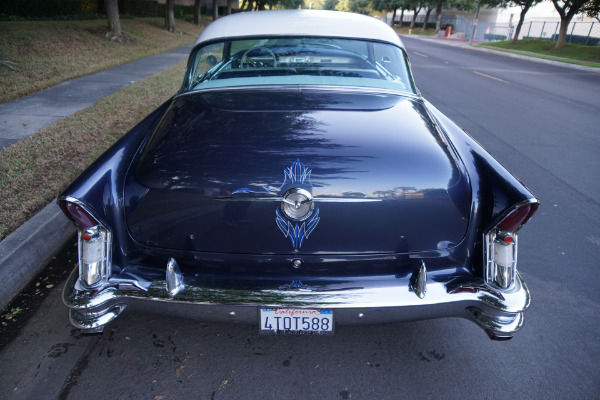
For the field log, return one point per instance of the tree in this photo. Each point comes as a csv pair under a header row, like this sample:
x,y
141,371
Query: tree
x,y
170,15
402,9
592,9
438,15
427,14
415,6
215,5
251,5
525,6
114,23
567,9
343,5
197,12
361,6
388,5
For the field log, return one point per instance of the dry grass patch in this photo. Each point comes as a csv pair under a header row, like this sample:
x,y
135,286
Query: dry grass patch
x,y
50,52
35,170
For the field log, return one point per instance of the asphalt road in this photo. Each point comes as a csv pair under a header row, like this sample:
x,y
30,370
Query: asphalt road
x,y
543,123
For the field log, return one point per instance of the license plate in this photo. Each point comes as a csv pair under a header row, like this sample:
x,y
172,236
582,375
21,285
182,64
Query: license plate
x,y
295,321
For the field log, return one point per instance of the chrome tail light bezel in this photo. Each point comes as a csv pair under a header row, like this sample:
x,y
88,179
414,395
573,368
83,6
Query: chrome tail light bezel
x,y
501,245
94,244
94,256
496,273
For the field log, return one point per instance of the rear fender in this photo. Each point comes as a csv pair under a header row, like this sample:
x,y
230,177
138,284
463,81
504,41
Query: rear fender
x,y
495,191
101,184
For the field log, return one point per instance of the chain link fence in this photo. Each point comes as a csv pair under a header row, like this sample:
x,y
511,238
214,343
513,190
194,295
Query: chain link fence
x,y
579,32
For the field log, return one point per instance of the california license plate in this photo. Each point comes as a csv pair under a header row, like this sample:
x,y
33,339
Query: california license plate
x,y
295,321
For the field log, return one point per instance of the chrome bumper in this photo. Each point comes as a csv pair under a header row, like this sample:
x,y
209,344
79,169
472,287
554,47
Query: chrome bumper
x,y
374,300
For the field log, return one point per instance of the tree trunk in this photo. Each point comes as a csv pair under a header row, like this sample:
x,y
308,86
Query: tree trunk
x,y
114,23
438,17
169,16
424,27
402,18
393,18
414,18
562,32
524,10
566,15
197,12
215,5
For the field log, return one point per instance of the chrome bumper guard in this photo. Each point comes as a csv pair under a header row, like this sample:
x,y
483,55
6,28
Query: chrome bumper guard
x,y
498,311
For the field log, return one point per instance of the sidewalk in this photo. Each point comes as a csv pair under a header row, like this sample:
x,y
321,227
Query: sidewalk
x,y
25,252
21,117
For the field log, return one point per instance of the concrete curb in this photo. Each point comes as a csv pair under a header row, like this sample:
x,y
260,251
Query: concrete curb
x,y
539,60
25,252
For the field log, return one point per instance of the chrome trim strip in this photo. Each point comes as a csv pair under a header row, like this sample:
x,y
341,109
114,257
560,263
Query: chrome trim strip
x,y
173,278
89,323
299,88
418,282
316,199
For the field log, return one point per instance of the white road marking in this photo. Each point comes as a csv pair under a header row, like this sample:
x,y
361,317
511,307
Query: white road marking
x,y
489,76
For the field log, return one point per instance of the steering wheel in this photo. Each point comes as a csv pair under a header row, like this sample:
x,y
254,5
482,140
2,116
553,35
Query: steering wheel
x,y
255,63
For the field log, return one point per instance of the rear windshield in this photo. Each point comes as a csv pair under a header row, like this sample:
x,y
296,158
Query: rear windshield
x,y
298,61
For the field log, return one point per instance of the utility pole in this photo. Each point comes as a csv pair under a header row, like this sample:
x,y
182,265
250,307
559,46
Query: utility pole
x,y
475,22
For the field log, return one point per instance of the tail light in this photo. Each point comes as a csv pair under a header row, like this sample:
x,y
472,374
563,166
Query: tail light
x,y
501,245
94,244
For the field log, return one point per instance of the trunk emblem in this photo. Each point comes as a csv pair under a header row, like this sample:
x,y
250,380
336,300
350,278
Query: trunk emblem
x,y
297,205
297,214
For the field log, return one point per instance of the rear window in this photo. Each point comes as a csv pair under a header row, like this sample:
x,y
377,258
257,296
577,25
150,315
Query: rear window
x,y
299,61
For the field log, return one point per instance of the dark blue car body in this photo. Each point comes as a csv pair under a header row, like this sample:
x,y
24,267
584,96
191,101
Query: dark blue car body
x,y
369,203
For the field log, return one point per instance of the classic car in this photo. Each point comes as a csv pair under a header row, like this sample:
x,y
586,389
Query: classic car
x,y
298,181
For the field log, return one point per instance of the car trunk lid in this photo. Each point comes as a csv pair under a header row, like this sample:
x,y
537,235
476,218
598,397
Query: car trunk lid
x,y
297,172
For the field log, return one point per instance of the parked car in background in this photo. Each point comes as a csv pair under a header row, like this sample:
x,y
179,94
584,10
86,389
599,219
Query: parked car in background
x,y
298,181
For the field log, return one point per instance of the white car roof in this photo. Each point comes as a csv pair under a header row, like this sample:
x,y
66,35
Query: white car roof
x,y
318,23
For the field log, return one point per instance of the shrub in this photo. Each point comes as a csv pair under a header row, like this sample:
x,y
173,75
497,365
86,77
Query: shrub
x,y
579,39
42,8
491,37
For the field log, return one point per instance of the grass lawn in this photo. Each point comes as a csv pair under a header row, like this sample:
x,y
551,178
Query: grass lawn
x,y
50,52
574,53
35,170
